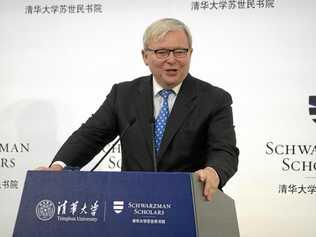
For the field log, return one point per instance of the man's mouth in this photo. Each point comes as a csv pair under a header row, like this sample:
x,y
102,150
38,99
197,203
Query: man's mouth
x,y
172,71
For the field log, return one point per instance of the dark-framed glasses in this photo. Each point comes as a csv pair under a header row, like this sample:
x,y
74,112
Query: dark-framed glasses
x,y
164,53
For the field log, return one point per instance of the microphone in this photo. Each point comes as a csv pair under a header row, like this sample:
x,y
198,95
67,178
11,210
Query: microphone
x,y
121,136
152,124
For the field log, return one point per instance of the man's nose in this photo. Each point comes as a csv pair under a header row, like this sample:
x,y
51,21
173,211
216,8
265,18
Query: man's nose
x,y
171,58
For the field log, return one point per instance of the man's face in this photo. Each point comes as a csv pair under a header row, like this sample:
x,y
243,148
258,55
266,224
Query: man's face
x,y
172,70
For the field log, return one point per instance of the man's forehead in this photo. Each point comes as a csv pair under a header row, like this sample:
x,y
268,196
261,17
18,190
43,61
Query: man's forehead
x,y
166,38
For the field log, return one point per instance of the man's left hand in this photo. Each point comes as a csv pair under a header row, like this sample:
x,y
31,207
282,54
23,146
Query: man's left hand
x,y
211,181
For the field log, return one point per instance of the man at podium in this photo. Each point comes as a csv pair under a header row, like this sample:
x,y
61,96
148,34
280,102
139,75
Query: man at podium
x,y
167,121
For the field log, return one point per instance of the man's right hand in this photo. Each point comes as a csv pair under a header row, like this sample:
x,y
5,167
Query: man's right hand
x,y
54,167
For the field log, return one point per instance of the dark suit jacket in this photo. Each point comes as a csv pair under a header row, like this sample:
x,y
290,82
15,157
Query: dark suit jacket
x,y
199,131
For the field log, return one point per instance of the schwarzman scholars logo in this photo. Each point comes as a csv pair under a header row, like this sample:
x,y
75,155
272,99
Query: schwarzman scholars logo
x,y
312,108
45,210
118,206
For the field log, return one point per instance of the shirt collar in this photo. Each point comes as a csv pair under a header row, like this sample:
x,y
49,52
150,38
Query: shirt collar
x,y
157,87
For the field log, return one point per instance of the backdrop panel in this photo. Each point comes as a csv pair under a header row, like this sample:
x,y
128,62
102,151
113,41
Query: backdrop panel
x,y
59,59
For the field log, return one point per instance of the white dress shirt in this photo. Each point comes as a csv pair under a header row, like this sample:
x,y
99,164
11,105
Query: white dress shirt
x,y
158,100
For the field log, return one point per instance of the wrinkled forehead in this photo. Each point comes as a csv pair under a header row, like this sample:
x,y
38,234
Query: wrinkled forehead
x,y
160,37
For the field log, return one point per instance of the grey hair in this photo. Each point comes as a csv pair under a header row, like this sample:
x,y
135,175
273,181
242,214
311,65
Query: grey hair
x,y
158,29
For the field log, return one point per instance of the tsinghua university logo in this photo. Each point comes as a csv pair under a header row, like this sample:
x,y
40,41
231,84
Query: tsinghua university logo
x,y
118,206
312,108
45,210
68,211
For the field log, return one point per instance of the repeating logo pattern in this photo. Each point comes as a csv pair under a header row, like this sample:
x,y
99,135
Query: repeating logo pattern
x,y
312,108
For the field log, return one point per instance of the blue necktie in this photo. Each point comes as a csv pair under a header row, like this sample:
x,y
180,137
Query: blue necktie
x,y
161,121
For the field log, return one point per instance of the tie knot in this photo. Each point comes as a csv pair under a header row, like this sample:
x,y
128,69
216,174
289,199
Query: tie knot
x,y
165,93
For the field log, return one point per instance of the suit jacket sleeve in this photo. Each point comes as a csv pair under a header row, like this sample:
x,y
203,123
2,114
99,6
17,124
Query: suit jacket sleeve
x,y
222,152
100,129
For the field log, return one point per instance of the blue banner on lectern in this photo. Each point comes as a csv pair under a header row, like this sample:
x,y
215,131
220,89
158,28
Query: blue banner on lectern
x,y
81,204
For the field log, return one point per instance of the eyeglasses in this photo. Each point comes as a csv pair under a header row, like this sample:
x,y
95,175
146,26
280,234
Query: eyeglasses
x,y
164,53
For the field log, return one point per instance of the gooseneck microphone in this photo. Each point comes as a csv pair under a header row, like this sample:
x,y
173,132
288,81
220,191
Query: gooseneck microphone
x,y
120,137
154,157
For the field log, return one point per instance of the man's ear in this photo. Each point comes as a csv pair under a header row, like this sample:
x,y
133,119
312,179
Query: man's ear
x,y
145,57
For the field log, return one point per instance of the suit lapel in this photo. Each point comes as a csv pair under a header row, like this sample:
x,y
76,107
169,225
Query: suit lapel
x,y
184,103
145,111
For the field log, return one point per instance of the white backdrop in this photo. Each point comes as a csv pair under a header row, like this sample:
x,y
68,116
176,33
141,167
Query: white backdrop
x,y
56,69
